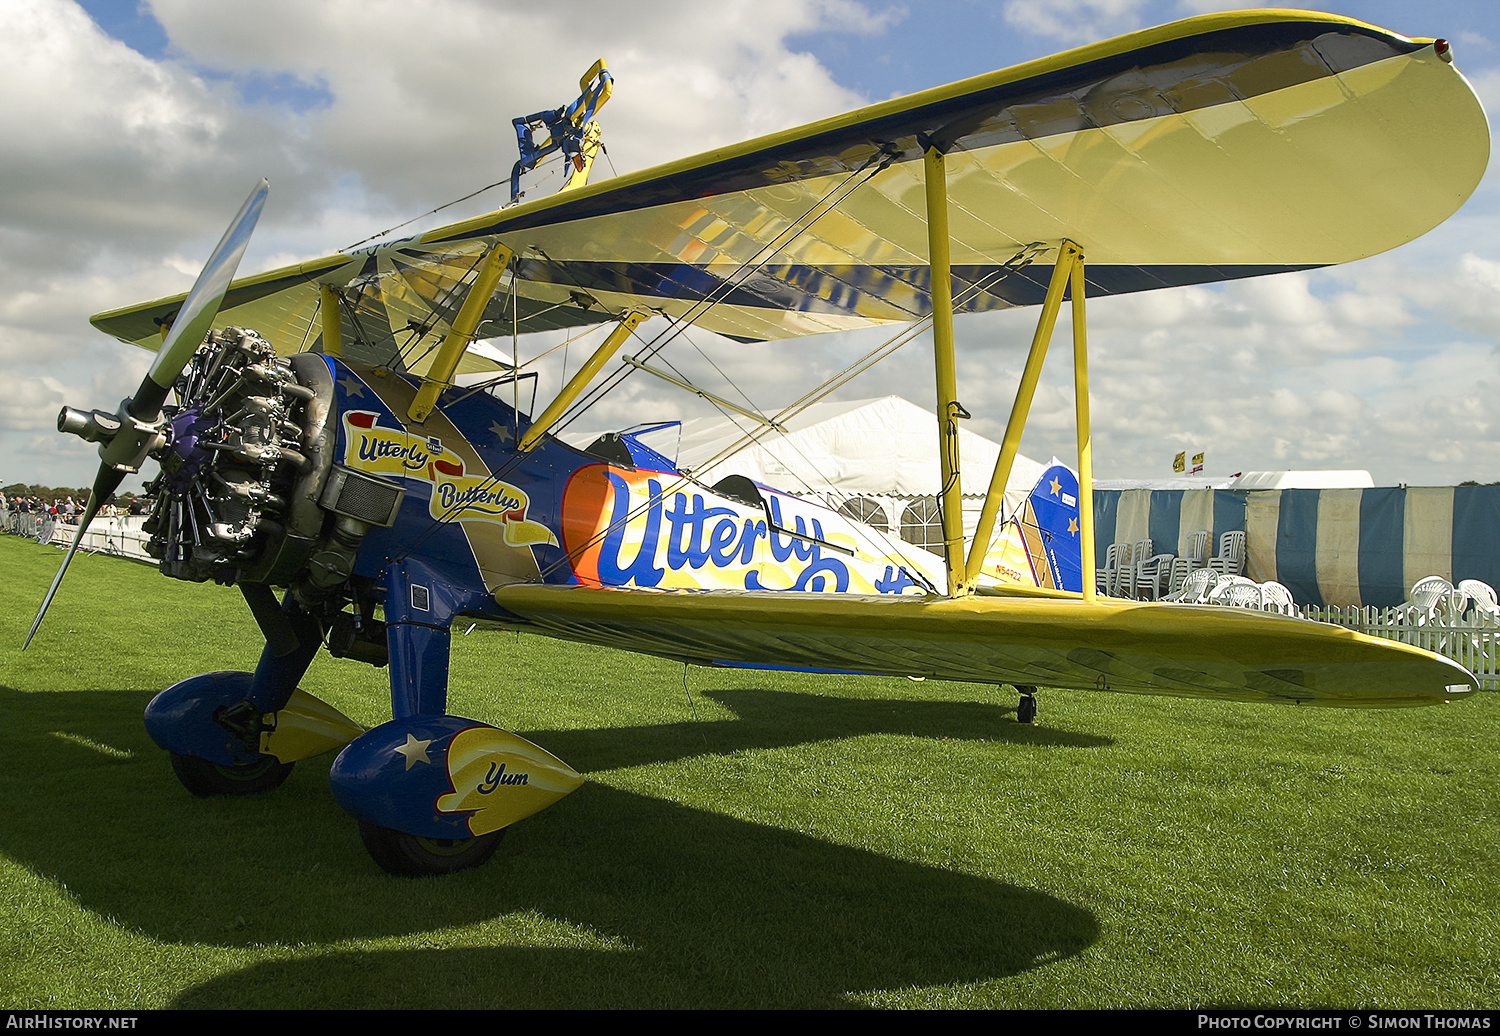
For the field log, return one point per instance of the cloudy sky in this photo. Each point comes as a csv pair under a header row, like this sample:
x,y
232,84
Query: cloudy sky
x,y
133,130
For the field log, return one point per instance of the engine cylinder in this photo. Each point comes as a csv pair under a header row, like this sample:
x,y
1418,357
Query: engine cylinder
x,y
246,459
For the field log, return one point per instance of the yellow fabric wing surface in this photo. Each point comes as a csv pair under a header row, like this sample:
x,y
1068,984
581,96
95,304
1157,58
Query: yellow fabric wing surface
x,y
1219,147
1190,650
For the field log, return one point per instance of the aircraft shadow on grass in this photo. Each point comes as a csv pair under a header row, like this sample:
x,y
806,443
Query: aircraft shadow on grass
x,y
766,719
648,874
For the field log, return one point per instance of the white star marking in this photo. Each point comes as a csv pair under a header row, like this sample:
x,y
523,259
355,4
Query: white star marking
x,y
415,751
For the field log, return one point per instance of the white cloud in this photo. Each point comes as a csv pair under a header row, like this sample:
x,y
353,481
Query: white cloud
x,y
119,172
1074,21
424,123
25,401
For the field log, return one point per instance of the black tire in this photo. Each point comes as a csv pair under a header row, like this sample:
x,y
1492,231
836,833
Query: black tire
x,y
1026,711
412,856
206,779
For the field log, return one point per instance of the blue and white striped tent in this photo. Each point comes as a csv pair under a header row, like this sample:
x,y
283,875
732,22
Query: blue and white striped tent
x,y
1328,546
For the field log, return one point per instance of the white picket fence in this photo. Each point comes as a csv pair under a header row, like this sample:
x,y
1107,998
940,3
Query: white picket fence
x,y
119,536
1471,640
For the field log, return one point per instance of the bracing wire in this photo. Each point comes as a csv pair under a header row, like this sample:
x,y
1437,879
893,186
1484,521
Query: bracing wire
x,y
856,179
872,166
430,212
544,167
752,436
680,326
1017,262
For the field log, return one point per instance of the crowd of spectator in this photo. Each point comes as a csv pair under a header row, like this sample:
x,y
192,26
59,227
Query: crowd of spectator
x,y
67,510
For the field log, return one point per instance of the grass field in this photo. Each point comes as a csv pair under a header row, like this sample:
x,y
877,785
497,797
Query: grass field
x,y
745,839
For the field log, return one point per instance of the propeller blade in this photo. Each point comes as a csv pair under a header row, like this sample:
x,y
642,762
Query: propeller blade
x,y
199,308
125,445
83,523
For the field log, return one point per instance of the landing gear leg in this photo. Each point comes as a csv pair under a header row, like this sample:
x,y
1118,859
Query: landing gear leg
x,y
421,783
212,724
1026,710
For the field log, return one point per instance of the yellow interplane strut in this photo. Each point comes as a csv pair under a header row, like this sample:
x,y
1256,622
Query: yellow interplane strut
x,y
440,374
948,409
1085,433
328,317
580,381
1067,272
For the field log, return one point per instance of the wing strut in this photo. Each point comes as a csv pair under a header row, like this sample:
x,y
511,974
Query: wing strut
x,y
580,381
1085,433
948,408
1068,271
330,320
440,374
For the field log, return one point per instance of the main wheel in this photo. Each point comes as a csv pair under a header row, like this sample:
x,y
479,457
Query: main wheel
x,y
1026,710
206,779
412,856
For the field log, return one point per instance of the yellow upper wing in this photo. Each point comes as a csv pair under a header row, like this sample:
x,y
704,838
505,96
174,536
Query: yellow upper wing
x,y
1223,146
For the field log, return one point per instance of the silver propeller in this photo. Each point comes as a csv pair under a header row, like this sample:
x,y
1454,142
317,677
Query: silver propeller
x,y
127,437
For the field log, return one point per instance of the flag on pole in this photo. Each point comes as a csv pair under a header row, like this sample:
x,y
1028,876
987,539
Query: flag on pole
x,y
1180,464
1197,464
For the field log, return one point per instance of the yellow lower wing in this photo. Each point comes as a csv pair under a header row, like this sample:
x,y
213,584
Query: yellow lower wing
x,y
1188,650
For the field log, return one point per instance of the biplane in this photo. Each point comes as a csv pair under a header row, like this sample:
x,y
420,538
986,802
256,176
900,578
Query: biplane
x,y
338,452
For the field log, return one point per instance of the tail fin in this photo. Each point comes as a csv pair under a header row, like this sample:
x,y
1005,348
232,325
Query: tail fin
x,y
1039,545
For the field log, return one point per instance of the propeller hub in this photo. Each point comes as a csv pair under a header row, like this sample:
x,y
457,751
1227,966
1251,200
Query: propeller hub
x,y
185,459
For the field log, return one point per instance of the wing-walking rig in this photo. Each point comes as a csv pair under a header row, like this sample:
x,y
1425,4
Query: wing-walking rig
x,y
572,129
330,453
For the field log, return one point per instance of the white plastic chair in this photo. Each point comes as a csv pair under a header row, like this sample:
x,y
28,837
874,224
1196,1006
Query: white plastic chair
x,y
1231,559
1196,553
1101,573
1153,576
1124,573
1140,558
1222,586
1195,588
1104,578
1243,595
1181,568
1486,612
1483,596
1429,600
1275,597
